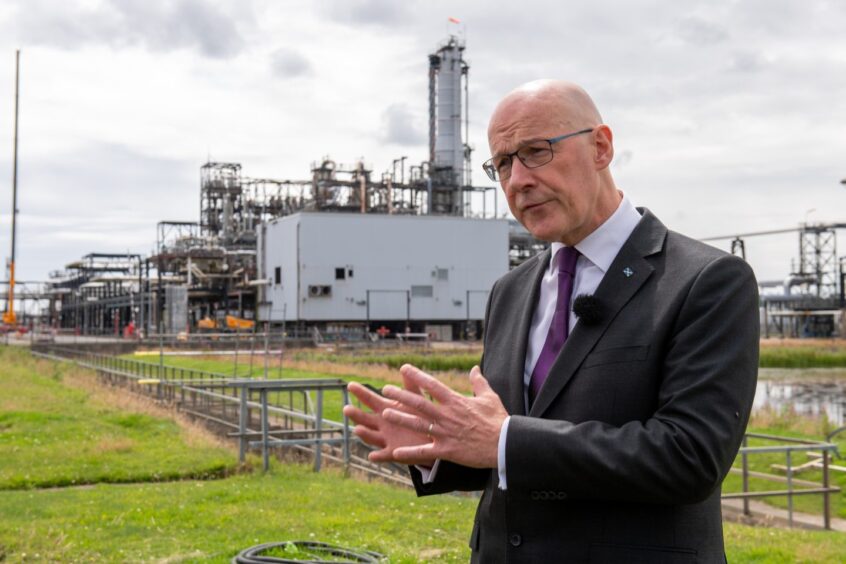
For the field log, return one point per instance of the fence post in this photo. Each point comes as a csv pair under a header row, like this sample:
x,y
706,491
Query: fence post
x,y
826,495
789,489
264,429
318,426
242,426
745,461
346,395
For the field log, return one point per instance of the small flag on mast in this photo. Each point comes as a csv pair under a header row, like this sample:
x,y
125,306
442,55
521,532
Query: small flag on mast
x,y
454,20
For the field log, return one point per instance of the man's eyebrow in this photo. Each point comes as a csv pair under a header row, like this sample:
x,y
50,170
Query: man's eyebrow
x,y
518,146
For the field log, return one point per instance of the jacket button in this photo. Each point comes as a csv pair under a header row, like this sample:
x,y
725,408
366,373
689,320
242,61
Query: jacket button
x,y
516,540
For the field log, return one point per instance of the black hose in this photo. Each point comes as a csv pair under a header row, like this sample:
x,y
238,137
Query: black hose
x,y
306,552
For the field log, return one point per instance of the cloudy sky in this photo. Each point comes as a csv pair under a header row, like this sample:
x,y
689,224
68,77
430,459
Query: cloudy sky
x,y
729,116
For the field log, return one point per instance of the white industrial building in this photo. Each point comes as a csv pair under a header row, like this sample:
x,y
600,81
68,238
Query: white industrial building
x,y
418,273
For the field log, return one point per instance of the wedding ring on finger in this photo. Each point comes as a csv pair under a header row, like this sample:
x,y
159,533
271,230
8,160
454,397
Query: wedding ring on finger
x,y
429,431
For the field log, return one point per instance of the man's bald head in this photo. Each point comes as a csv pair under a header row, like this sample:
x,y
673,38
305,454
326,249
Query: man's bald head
x,y
562,103
550,152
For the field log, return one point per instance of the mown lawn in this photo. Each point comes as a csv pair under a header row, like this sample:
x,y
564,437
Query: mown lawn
x,y
211,520
53,433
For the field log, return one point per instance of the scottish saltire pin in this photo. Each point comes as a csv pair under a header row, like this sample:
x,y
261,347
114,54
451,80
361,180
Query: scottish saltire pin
x,y
628,272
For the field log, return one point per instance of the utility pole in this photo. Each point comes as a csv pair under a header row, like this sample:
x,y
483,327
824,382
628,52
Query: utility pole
x,y
9,317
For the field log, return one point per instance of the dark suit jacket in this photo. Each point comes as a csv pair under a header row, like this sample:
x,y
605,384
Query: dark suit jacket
x,y
622,454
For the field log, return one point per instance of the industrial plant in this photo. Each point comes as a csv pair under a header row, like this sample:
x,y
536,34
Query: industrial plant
x,y
351,252
345,251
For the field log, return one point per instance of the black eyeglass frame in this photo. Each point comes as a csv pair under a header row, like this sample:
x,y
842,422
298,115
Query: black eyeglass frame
x,y
491,171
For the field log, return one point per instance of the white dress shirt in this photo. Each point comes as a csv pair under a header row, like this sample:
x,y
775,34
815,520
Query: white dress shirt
x,y
598,251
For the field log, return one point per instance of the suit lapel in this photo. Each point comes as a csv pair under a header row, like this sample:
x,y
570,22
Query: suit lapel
x,y
627,273
524,302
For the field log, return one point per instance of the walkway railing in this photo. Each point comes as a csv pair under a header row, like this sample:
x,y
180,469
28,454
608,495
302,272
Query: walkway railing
x,y
820,454
261,414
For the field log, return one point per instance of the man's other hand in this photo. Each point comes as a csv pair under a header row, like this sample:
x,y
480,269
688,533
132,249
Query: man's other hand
x,y
462,429
374,430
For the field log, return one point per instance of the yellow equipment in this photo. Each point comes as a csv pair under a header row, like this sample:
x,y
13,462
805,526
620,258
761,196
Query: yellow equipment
x,y
238,324
207,323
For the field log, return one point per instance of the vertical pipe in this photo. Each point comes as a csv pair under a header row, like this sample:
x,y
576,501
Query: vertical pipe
x,y
252,348
161,350
467,169
9,316
266,346
282,343
235,367
363,188
434,64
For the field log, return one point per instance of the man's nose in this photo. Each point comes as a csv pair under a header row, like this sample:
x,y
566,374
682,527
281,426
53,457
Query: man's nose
x,y
521,176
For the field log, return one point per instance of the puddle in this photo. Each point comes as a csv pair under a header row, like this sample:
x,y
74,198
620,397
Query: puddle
x,y
809,392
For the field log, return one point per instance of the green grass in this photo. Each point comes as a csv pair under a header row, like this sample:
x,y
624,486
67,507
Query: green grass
x,y
210,521
434,362
802,357
821,356
55,435
764,545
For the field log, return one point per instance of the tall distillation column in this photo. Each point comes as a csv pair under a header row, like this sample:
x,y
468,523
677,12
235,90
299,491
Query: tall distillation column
x,y
449,152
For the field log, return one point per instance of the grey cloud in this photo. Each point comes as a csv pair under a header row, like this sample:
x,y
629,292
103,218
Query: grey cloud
x,y
113,175
288,63
368,12
399,127
155,25
747,62
701,32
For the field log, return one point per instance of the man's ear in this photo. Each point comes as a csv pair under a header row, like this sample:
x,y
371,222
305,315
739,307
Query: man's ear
x,y
604,143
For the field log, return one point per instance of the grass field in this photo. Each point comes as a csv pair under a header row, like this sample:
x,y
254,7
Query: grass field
x,y
54,431
803,353
211,520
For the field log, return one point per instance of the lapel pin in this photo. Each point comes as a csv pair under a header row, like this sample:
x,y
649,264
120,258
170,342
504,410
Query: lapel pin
x,y
628,272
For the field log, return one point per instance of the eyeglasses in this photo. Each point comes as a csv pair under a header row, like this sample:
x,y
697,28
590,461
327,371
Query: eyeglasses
x,y
533,154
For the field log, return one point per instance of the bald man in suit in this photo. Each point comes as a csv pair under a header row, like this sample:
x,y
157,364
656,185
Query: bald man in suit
x,y
600,432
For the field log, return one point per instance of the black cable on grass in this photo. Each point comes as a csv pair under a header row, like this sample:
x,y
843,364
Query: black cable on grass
x,y
305,552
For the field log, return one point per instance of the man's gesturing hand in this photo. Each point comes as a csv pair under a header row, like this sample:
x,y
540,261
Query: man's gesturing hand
x,y
463,429
376,431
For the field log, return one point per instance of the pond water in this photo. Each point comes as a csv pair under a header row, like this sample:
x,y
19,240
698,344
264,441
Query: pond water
x,y
811,392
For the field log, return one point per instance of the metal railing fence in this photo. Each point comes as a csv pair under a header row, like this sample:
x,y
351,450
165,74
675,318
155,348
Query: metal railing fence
x,y
790,448
261,414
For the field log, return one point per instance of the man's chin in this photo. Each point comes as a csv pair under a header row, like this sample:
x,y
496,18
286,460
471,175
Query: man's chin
x,y
546,233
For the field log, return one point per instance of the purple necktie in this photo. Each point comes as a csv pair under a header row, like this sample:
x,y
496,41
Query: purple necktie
x,y
560,326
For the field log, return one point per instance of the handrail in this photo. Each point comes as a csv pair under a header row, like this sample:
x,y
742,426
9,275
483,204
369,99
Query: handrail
x,y
796,445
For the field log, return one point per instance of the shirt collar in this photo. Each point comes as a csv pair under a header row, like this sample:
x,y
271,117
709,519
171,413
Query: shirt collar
x,y
601,246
